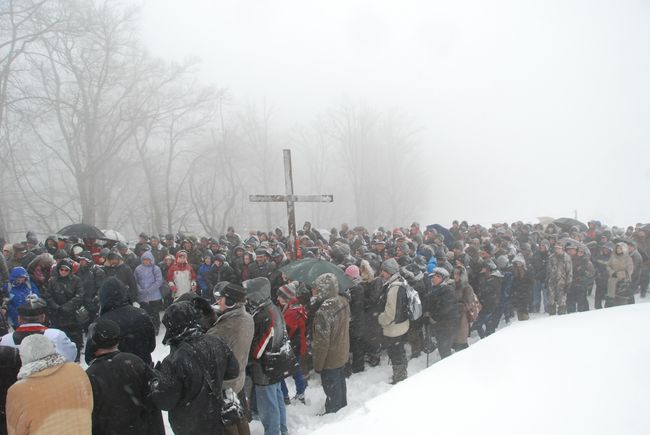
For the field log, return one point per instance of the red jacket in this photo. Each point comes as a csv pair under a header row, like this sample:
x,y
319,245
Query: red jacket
x,y
295,317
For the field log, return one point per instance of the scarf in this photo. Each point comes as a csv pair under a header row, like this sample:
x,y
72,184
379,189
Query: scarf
x,y
41,364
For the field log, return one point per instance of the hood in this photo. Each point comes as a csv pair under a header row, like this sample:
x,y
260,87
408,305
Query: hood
x,y
327,286
181,320
147,255
624,248
179,253
18,272
258,290
112,294
519,258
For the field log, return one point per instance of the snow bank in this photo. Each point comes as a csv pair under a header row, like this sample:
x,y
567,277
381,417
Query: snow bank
x,y
582,373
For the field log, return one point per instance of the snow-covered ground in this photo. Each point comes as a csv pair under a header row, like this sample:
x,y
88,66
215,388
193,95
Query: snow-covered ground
x,y
579,373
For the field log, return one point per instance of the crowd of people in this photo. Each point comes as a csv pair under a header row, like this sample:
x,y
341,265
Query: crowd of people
x,y
238,325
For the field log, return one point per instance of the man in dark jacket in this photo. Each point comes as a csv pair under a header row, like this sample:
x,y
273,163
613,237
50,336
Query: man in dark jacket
x,y
270,358
331,340
64,297
261,267
116,267
440,310
9,367
539,264
119,382
137,332
189,381
220,271
92,276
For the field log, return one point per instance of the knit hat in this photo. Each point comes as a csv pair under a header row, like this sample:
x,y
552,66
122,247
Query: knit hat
x,y
105,334
352,272
390,266
288,291
233,293
35,347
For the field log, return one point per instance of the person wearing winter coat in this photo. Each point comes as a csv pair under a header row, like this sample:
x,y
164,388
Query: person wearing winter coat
x,y
539,263
180,276
19,287
583,278
559,274
488,291
261,267
31,317
92,276
357,319
440,310
137,331
637,261
235,327
620,268
602,274
149,279
393,318
51,396
522,286
465,299
9,367
119,382
205,289
331,340
271,358
221,271
129,257
115,266
372,306
189,382
295,317
40,268
64,296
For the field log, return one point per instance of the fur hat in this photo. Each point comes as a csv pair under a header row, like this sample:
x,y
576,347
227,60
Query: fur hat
x,y
440,271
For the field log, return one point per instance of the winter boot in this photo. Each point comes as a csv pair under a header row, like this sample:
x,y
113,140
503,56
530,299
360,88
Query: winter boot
x,y
522,315
399,373
561,309
459,346
551,310
299,398
287,401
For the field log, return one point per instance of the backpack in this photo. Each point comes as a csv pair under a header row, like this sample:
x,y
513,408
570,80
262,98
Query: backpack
x,y
413,303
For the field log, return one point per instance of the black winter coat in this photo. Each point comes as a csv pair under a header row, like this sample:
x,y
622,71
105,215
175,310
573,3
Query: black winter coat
x,y
63,297
522,289
269,335
92,277
223,273
137,334
125,274
441,305
120,403
489,292
357,312
188,384
9,367
539,263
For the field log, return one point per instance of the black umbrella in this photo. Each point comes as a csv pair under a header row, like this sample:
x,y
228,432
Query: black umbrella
x,y
567,223
449,238
308,269
81,231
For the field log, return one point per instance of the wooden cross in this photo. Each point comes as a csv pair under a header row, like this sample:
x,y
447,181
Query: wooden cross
x,y
290,199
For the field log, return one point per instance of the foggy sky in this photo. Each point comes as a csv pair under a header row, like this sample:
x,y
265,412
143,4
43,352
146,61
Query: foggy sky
x,y
526,108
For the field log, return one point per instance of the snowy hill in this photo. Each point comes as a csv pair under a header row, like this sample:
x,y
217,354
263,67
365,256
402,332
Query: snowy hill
x,y
582,373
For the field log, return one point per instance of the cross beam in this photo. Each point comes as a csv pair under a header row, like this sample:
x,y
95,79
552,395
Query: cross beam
x,y
290,198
